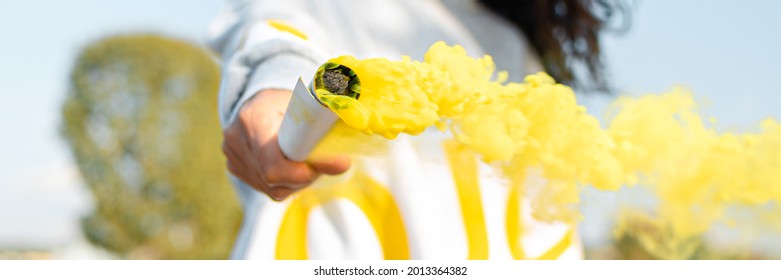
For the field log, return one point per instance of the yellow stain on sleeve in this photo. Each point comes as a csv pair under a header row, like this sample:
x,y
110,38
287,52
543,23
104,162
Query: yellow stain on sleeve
x,y
374,200
463,164
558,249
514,227
513,223
285,27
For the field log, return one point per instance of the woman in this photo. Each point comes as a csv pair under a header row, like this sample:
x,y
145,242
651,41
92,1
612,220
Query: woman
x,y
424,200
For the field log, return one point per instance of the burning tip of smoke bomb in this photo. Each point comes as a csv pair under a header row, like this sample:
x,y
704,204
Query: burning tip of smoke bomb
x,y
337,79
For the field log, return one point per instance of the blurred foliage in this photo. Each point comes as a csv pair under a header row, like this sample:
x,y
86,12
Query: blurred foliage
x,y
653,238
141,120
639,237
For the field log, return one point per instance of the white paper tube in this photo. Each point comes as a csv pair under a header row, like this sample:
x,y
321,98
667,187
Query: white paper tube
x,y
306,121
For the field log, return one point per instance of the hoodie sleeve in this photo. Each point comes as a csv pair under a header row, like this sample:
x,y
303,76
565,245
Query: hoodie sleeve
x,y
263,45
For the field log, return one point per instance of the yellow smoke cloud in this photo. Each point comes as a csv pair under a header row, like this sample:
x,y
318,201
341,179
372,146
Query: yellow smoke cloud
x,y
658,141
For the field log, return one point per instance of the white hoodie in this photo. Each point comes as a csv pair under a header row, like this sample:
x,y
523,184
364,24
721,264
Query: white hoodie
x,y
416,202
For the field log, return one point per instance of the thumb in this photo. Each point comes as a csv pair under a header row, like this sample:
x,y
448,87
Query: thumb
x,y
333,165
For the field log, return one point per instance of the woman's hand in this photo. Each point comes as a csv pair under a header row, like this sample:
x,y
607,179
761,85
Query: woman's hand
x,y
253,152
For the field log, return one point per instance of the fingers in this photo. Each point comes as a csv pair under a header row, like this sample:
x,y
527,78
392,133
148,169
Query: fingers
x,y
235,147
252,149
278,171
264,167
238,167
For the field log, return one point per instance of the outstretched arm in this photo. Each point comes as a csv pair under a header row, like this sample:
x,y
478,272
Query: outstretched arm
x,y
266,46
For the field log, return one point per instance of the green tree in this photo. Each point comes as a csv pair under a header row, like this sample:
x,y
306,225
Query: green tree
x,y
141,120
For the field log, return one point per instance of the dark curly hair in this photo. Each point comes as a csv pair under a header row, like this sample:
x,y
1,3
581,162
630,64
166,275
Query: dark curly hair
x,y
565,34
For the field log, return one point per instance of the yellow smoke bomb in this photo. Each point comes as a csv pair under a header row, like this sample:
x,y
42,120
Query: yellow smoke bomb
x,y
308,118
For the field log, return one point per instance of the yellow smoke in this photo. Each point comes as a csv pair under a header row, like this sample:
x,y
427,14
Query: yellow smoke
x,y
657,141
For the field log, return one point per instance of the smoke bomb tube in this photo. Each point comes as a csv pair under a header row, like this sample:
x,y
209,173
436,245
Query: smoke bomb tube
x,y
306,121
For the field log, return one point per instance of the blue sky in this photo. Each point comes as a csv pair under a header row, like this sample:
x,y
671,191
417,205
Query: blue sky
x,y
726,51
